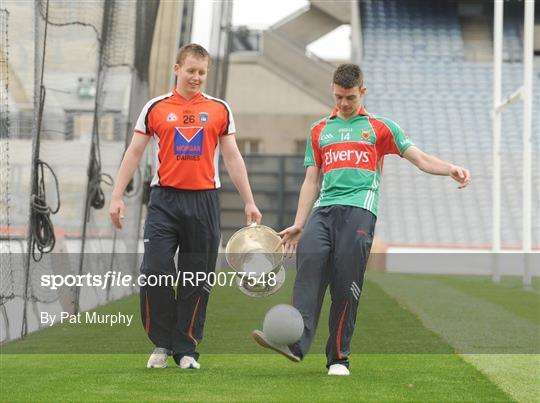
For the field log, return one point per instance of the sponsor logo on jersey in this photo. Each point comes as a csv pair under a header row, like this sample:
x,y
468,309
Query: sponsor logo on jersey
x,y
354,156
188,140
203,117
357,155
171,117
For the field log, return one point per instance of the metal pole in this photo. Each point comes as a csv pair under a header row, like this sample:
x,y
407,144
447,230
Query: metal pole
x,y
496,184
528,37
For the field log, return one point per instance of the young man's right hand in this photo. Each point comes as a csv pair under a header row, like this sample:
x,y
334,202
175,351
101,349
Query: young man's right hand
x,y
116,211
253,215
289,238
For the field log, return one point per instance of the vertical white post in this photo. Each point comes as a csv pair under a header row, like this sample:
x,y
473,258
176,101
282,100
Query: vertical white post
x,y
496,185
528,37
356,33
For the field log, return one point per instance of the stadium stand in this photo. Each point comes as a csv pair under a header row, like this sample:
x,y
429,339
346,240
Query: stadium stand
x,y
417,74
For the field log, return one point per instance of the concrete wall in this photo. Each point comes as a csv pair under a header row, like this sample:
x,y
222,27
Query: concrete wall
x,y
268,107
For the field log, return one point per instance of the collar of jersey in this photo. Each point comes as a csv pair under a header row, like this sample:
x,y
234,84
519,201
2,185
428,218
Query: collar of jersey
x,y
184,100
361,112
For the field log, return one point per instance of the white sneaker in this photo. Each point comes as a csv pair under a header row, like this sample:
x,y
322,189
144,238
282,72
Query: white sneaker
x,y
338,369
188,362
261,339
158,359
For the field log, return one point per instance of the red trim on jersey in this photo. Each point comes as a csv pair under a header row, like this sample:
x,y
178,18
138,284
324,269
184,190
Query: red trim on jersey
x,y
361,111
315,135
350,154
141,132
340,328
190,331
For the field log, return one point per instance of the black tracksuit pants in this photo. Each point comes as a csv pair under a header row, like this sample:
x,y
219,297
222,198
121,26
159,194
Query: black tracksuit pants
x,y
187,220
333,250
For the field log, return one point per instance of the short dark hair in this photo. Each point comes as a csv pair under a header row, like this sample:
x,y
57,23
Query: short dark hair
x,y
348,75
192,49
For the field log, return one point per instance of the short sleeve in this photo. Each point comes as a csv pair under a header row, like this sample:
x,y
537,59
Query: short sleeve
x,y
143,126
309,159
312,156
395,140
144,122
229,126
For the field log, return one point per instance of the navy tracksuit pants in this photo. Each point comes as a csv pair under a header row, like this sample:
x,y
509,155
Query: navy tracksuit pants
x,y
187,220
333,251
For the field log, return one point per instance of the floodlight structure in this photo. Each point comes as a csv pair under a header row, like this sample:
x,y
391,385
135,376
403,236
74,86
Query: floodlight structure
x,y
523,93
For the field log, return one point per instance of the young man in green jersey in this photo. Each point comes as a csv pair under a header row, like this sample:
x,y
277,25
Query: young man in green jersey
x,y
347,148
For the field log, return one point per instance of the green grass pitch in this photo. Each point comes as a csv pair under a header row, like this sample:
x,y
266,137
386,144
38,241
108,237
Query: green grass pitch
x,y
402,351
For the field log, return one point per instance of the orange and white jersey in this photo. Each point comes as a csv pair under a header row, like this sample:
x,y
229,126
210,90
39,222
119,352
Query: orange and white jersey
x,y
186,138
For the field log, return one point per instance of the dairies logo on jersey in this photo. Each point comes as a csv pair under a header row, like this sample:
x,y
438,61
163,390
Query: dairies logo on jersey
x,y
188,140
171,117
355,156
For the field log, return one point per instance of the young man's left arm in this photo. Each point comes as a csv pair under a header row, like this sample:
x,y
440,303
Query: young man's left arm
x,y
435,166
237,171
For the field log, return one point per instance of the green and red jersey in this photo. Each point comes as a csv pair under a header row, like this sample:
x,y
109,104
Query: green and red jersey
x,y
350,154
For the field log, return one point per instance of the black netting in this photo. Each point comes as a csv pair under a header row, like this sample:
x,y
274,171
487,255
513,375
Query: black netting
x,y
6,268
70,112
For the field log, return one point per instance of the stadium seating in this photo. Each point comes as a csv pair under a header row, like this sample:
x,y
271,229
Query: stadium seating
x,y
416,73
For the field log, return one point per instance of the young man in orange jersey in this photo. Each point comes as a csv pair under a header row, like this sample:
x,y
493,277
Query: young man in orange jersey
x,y
334,227
189,128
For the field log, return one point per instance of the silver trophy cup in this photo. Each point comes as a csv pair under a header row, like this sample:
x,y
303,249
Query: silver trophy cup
x,y
252,252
